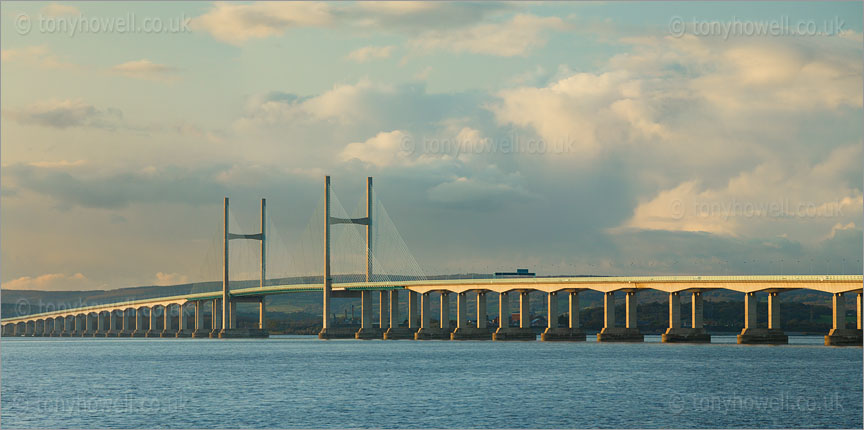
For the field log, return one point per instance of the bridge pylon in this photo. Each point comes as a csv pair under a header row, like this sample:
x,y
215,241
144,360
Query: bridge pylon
x,y
229,304
327,329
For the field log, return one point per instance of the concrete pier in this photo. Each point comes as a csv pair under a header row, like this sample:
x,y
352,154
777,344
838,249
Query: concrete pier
x,y
839,334
556,333
752,334
677,334
141,325
395,332
442,332
505,332
201,330
154,331
183,329
167,327
610,333
463,331
367,327
216,318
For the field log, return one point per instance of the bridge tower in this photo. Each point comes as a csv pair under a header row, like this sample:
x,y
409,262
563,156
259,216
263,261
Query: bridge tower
x,y
229,303
327,331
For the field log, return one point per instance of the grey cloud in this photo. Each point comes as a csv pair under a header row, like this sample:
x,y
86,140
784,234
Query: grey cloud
x,y
66,114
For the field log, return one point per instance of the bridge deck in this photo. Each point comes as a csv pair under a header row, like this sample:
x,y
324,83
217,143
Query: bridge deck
x,y
744,284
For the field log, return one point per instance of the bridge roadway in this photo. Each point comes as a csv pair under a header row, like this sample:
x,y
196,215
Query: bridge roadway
x,y
139,318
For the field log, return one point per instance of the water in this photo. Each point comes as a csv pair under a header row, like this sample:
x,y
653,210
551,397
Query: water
x,y
304,382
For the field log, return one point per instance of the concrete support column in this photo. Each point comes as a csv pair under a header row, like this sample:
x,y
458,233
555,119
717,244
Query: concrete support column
x,y
92,321
425,310
552,310
166,317
609,310
858,310
68,326
366,309
524,310
140,327
100,323
80,323
751,334
749,310
461,310
482,316
112,323
838,316
631,309
383,310
503,310
573,310
59,326
445,310
233,314
839,334
394,308
697,307
199,315
216,317
412,309
674,310
773,311
182,324
262,314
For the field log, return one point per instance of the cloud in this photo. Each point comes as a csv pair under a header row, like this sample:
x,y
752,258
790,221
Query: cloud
x,y
413,17
52,282
56,9
238,23
385,149
518,36
366,53
485,190
101,186
39,56
62,114
795,200
170,278
146,69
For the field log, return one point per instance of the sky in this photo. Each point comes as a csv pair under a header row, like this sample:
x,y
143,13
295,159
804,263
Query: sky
x,y
568,138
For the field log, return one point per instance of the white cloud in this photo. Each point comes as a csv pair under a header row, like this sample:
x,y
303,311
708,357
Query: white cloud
x,y
776,199
238,23
146,69
38,56
171,278
366,53
484,189
385,149
52,282
506,39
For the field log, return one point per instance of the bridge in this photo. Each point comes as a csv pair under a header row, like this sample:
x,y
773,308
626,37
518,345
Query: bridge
x,y
141,318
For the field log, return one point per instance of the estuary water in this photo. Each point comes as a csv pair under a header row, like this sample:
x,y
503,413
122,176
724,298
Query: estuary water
x,y
286,382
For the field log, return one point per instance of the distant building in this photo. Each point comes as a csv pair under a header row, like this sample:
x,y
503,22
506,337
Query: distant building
x,y
519,273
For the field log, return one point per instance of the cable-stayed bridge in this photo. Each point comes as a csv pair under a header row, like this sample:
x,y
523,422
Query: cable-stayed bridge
x,y
361,255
